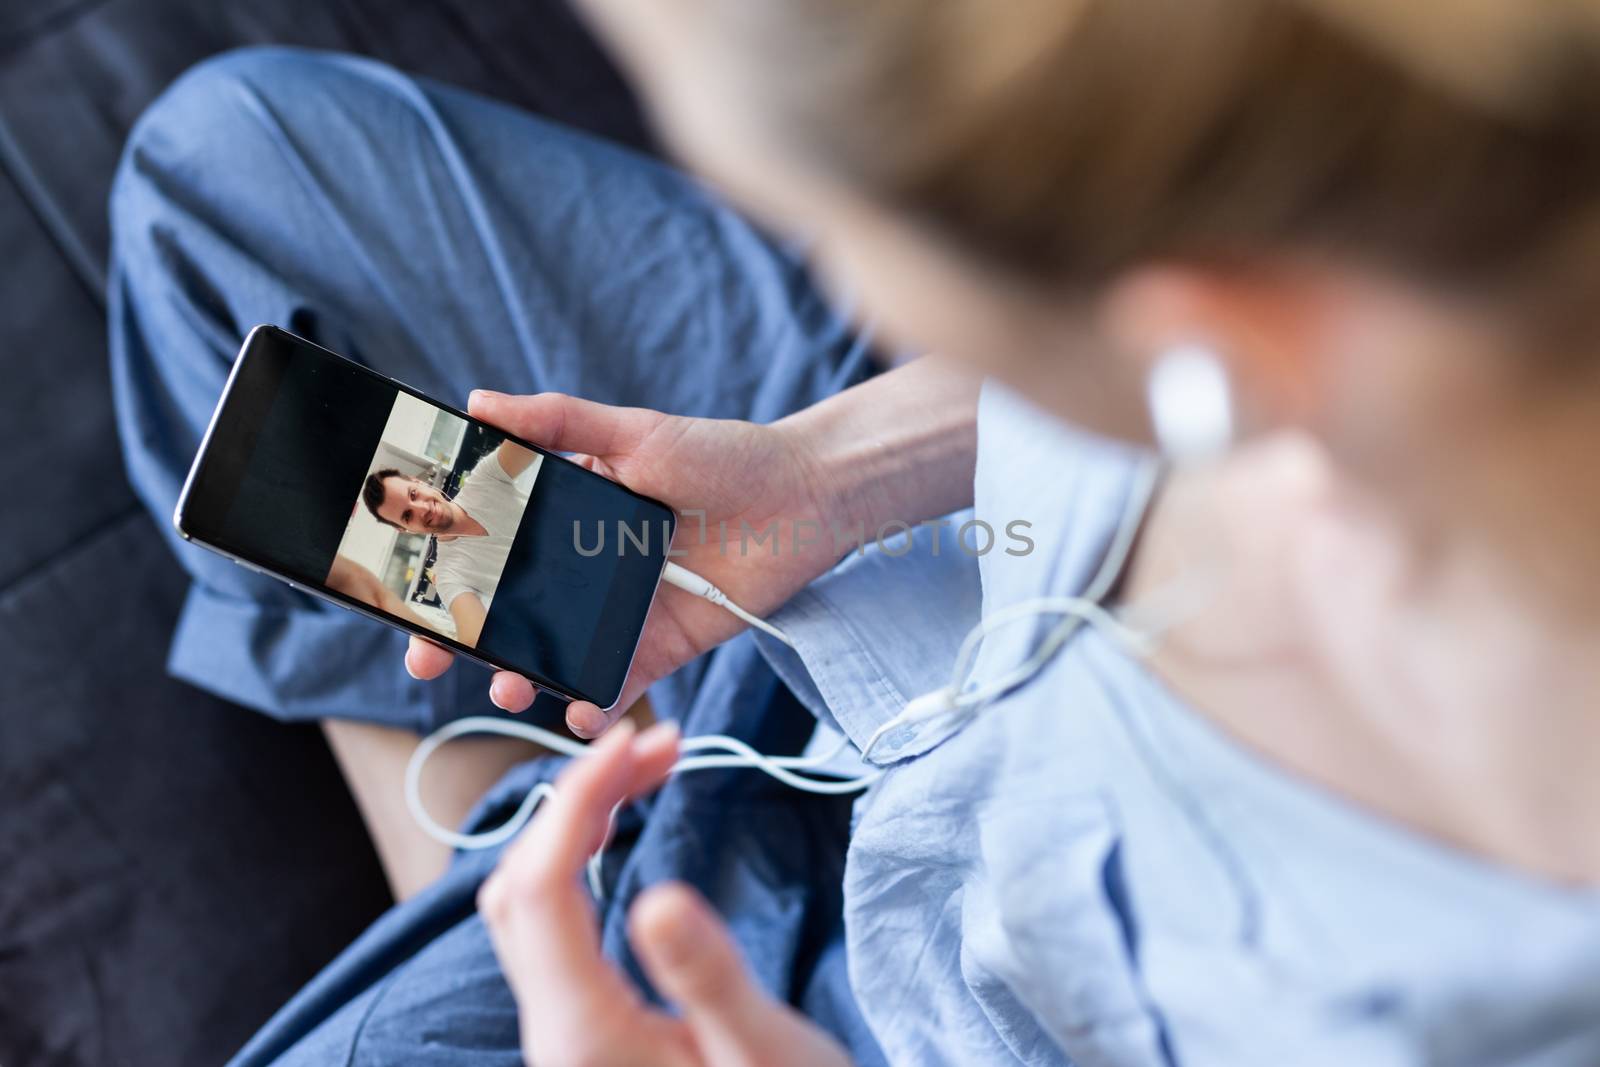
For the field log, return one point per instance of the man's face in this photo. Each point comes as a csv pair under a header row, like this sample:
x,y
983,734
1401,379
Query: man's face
x,y
415,507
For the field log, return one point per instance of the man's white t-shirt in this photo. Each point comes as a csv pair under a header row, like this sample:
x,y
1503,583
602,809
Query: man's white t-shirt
x,y
474,564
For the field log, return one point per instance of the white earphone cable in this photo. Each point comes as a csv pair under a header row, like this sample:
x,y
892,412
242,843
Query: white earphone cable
x,y
1080,610
812,774
690,582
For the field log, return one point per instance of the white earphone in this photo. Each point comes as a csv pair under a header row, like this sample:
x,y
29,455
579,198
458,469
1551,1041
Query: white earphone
x,y
1191,403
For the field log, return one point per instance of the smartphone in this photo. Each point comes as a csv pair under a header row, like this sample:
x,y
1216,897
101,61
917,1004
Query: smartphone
x,y
359,489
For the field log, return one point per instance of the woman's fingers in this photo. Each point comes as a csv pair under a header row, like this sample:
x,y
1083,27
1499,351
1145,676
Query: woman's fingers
x,y
426,660
540,919
511,692
571,825
587,720
543,927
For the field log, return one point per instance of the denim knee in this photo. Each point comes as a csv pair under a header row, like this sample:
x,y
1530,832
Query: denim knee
x,y
193,169
200,134
204,109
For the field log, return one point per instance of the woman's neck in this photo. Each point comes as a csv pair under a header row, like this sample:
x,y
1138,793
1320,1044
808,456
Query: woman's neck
x,y
1430,675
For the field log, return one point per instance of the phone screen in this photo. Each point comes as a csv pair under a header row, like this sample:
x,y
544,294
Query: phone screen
x,y
344,481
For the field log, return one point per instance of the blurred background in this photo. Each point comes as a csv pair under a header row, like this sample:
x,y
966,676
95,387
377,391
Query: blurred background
x,y
172,868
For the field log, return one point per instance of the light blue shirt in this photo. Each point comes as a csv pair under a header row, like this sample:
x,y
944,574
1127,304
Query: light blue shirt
x,y
1090,873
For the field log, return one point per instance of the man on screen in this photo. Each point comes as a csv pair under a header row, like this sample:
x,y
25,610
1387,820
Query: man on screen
x,y
474,529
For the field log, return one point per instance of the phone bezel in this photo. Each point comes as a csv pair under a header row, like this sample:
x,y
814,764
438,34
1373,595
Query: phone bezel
x,y
342,600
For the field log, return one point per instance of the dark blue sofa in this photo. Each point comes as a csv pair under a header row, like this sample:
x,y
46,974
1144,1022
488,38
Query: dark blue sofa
x,y
171,868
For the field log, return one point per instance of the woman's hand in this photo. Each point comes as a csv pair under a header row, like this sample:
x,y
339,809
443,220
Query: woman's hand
x,y
885,454
744,478
573,1006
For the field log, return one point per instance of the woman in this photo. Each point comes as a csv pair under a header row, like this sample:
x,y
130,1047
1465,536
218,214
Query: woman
x,y
1385,225
1331,799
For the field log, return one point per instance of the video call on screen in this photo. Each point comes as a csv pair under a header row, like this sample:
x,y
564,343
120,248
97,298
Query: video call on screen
x,y
342,480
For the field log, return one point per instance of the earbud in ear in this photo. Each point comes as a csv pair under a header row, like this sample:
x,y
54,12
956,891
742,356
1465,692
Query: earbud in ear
x,y
1191,403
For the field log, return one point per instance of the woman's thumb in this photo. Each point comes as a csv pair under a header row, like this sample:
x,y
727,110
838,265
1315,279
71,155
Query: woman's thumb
x,y
692,960
564,423
687,952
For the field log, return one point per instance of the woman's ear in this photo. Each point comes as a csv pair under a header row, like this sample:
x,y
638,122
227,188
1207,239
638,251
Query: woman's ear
x,y
1262,327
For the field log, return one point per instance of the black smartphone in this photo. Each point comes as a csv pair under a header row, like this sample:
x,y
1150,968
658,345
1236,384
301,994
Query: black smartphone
x,y
361,490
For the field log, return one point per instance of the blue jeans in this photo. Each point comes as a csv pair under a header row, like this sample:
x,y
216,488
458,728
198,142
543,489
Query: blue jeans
x,y
449,242
454,243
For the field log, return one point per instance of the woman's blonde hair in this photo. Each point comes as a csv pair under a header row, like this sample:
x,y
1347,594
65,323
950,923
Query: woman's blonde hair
x,y
1068,139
